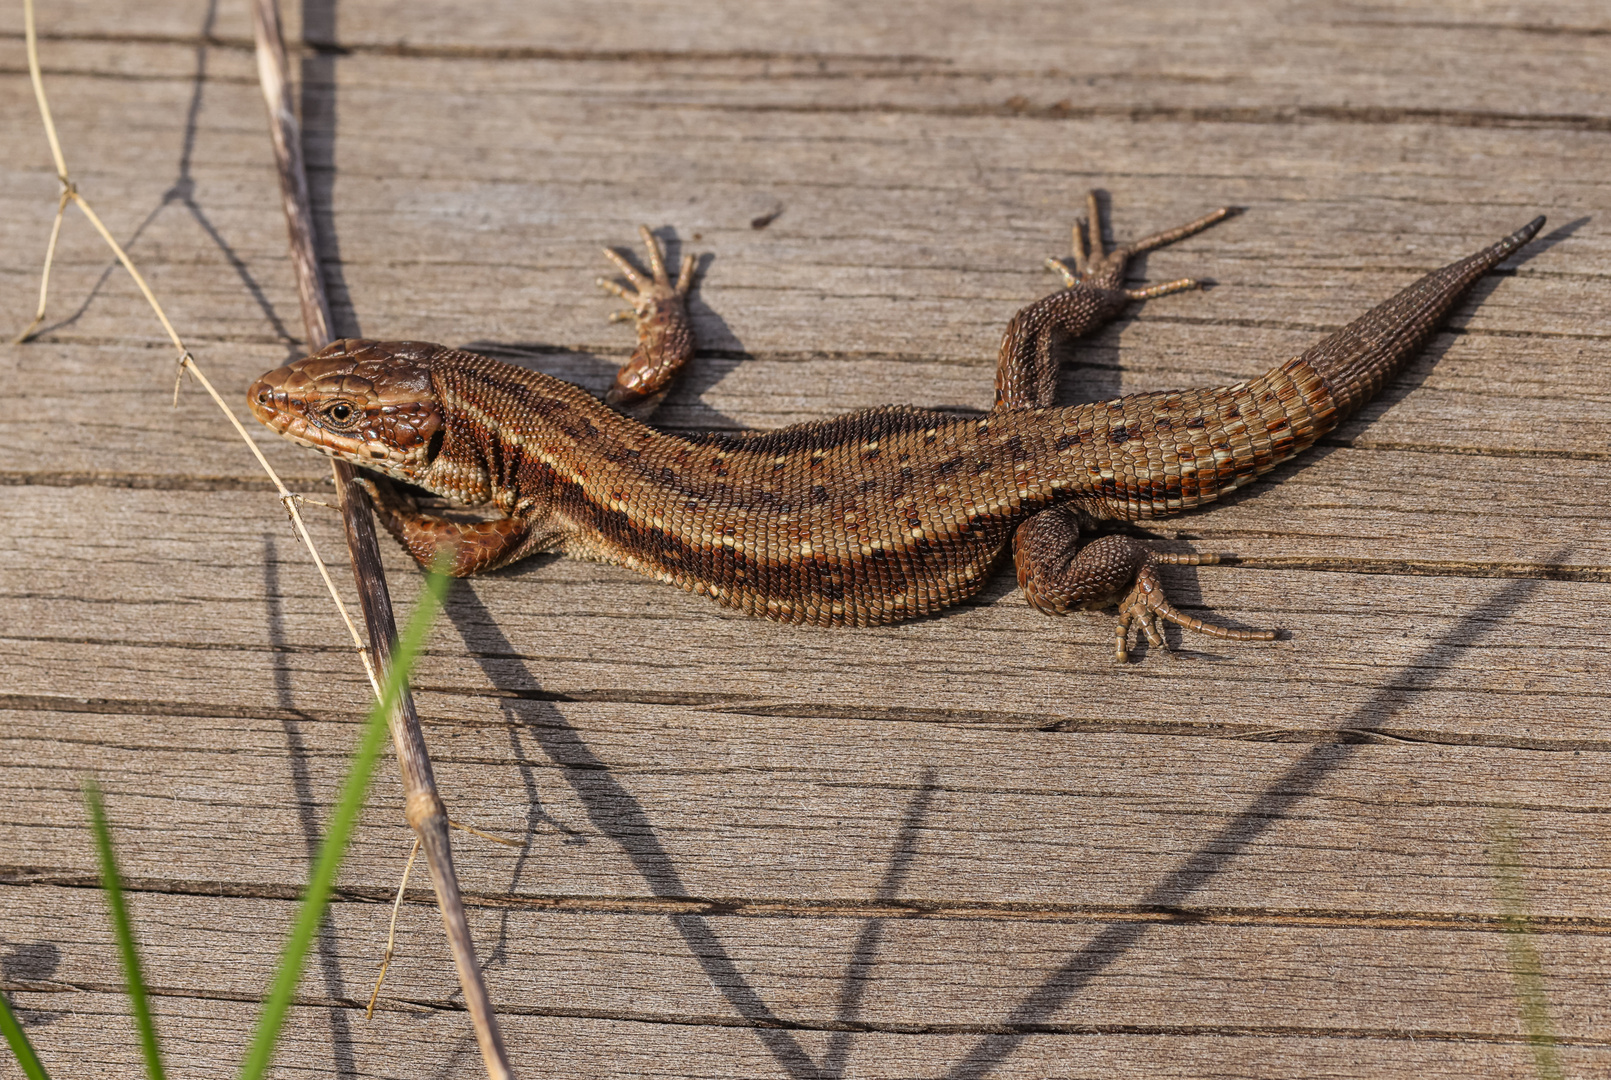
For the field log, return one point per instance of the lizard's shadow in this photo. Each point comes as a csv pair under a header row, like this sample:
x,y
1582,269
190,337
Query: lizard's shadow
x,y
1175,896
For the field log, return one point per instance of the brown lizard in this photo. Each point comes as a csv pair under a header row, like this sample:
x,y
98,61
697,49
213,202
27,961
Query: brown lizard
x,y
868,518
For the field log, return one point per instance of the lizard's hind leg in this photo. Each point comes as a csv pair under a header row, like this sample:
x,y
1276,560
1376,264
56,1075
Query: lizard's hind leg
x,y
1056,579
665,333
1094,295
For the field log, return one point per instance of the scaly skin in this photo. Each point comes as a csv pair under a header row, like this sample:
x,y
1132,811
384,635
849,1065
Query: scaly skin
x,y
869,518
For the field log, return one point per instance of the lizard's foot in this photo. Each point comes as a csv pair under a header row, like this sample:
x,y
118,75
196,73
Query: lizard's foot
x,y
665,334
1056,580
1028,365
460,548
1147,606
1095,266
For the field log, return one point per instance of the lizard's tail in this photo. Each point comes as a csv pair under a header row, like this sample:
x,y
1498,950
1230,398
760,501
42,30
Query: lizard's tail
x,y
1356,360
1212,441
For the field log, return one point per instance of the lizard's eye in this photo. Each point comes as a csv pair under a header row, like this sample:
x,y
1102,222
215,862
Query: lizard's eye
x,y
340,412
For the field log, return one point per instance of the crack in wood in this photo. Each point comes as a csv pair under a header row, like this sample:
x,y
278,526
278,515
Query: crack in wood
x,y
747,706
1259,1031
22,877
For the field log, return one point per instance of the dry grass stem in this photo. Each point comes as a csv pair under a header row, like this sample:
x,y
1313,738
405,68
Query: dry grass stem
x,y
422,806
50,258
391,933
187,361
473,831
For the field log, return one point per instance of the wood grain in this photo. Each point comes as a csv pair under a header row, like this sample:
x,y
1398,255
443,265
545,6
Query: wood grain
x,y
928,975
965,847
624,801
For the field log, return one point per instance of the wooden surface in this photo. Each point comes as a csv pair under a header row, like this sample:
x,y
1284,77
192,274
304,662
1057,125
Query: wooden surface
x,y
964,847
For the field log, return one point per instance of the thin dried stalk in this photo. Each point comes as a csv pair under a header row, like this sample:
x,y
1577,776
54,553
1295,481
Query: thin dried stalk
x,y
187,361
423,806
391,933
504,840
408,868
50,254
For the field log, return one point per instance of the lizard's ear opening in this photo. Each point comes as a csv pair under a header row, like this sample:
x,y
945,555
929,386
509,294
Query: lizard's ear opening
x,y
434,447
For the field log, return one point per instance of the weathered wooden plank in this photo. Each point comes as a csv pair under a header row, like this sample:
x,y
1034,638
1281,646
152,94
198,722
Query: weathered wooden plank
x,y
1435,58
540,212
103,410
87,1029
1514,661
1338,505
639,800
1462,412
1462,660
923,165
918,975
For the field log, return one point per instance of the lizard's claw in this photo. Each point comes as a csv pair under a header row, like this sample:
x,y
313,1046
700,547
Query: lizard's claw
x,y
1056,578
1146,607
1092,261
1086,243
647,293
665,334
1060,268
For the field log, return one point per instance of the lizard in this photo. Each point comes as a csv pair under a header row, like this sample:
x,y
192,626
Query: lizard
x,y
868,518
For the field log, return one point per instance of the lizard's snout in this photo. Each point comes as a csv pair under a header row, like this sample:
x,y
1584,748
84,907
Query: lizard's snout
x,y
266,398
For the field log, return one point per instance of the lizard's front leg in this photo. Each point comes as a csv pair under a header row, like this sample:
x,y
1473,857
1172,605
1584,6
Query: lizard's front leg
x,y
473,547
1057,576
1027,369
665,333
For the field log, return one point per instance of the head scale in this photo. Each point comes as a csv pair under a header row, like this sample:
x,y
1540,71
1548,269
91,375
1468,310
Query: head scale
x,y
367,402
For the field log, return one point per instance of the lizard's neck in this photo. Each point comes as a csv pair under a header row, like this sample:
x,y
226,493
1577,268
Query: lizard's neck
x,y
511,432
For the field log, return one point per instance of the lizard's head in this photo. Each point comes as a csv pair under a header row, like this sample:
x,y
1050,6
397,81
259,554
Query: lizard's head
x,y
367,402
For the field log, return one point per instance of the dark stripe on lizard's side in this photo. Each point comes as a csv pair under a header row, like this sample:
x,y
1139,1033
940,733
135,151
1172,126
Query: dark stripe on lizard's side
x,y
895,581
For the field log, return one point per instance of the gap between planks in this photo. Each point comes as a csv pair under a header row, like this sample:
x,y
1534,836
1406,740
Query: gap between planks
x,y
908,911
747,706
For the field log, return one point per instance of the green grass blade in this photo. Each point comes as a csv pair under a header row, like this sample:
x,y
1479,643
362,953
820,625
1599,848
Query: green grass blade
x,y
112,885
342,822
21,1048
1526,967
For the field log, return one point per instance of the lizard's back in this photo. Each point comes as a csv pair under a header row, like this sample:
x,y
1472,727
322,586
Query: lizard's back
x,y
875,516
